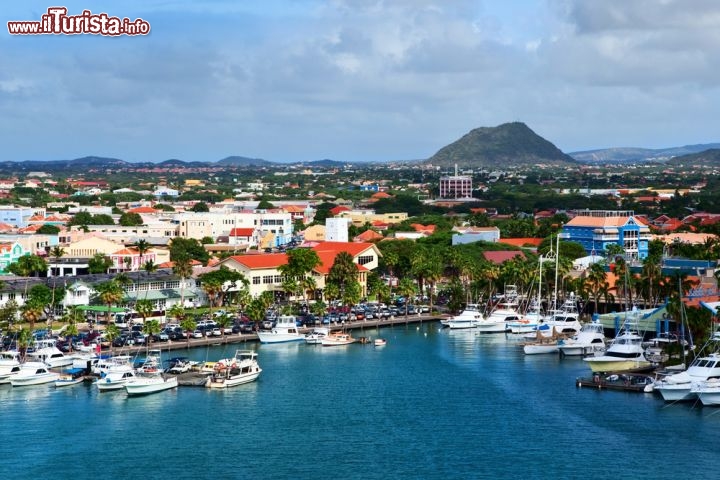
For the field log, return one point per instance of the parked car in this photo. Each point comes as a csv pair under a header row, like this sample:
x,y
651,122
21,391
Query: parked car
x,y
215,332
197,334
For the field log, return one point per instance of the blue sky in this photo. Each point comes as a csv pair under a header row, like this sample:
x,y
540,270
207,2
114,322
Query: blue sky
x,y
359,79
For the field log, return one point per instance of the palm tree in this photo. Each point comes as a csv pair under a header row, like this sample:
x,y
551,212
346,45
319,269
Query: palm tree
x,y
406,288
73,316
150,328
142,246
188,324
307,284
109,293
343,271
24,340
31,313
27,265
289,286
595,282
57,253
223,321
256,311
100,263
112,332
182,267
212,289
177,312
145,308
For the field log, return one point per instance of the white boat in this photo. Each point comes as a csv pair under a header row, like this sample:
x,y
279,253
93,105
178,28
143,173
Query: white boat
x,y
543,344
33,373
146,383
678,387
566,319
115,378
380,342
315,337
149,378
105,364
46,351
337,339
179,365
9,365
624,353
468,318
285,330
504,313
73,376
589,340
243,368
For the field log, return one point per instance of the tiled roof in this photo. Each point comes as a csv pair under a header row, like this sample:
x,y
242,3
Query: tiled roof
x,y
268,260
142,210
126,251
500,256
242,232
339,209
327,260
353,249
368,235
519,242
586,221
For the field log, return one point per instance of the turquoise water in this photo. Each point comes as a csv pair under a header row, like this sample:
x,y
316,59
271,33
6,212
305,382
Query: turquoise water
x,y
431,404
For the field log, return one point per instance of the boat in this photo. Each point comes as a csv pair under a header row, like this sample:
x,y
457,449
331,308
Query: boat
x,y
625,351
105,364
678,387
9,365
285,330
243,368
505,313
115,378
468,318
566,319
149,377
73,376
380,342
316,335
46,351
178,365
337,339
543,344
589,340
33,373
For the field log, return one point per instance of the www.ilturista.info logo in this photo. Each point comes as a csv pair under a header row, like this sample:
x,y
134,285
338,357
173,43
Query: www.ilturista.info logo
x,y
57,22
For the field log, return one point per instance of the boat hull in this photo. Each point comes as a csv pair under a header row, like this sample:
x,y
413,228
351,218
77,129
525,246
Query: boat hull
x,y
233,381
18,381
152,385
675,393
279,337
492,327
597,365
539,349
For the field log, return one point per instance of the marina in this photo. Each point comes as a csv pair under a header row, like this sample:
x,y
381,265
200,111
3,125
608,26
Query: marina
x,y
418,405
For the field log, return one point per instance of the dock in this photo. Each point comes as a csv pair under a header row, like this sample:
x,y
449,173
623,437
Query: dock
x,y
252,337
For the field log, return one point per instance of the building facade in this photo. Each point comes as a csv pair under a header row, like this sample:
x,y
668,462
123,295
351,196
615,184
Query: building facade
x,y
456,186
595,230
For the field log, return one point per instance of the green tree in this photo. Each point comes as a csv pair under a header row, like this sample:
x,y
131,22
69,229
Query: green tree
x,y
48,229
343,271
130,219
109,293
200,207
188,247
406,288
27,265
256,310
100,263
182,267
31,312
188,324
151,328
112,332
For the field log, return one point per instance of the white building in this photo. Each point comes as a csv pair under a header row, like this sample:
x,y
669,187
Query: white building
x,y
336,229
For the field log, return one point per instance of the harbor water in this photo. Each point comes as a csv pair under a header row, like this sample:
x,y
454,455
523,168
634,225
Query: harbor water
x,y
432,404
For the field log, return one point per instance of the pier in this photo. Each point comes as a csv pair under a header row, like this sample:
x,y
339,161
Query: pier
x,y
252,337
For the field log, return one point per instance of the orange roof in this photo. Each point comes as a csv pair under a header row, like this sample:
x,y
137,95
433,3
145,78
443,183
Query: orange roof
x,y
5,226
381,195
419,227
242,232
585,221
327,260
126,251
293,209
519,242
339,209
354,249
501,256
367,236
142,210
268,260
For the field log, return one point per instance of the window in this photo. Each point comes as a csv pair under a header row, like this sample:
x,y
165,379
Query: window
x,y
256,280
268,279
366,259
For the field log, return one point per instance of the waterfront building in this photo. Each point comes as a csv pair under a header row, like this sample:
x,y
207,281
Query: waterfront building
x,y
595,230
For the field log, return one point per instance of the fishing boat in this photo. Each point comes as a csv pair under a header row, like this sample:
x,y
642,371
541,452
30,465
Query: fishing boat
x,y
46,351
72,376
566,319
504,313
243,368
543,344
468,318
150,378
589,340
285,330
33,373
115,378
380,342
625,351
315,337
678,387
334,339
9,365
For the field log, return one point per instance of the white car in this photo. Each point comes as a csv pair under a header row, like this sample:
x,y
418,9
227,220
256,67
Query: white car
x,y
197,334
216,332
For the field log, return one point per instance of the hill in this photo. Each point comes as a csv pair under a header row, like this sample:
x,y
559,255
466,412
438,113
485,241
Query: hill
x,y
707,157
507,144
238,161
638,155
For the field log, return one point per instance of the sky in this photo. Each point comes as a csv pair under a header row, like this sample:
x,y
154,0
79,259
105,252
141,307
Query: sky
x,y
358,80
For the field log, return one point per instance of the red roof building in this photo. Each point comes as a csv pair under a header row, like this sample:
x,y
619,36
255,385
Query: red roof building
x,y
501,256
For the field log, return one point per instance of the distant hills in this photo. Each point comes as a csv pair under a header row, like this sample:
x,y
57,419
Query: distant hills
x,y
706,157
505,145
639,155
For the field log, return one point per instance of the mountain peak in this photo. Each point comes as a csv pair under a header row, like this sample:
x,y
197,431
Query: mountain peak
x,y
508,144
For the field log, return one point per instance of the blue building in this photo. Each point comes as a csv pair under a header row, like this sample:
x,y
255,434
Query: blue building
x,y
595,230
18,216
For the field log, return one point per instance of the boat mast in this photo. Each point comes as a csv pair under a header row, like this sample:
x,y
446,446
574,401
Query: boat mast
x,y
557,264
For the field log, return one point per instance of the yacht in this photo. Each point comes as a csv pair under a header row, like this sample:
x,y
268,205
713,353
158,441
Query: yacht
x,y
46,351
149,378
315,337
33,373
337,339
9,365
624,353
678,387
468,318
589,340
505,313
73,376
285,330
115,377
243,368
566,319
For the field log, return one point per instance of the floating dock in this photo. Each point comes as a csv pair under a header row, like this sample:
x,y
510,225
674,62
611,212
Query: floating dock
x,y
625,381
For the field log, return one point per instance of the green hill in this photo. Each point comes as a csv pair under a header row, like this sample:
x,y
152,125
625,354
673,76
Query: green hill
x,y
708,157
505,145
